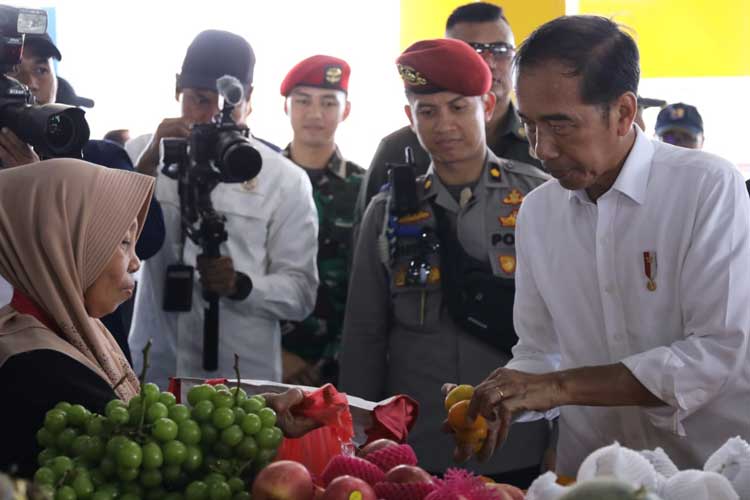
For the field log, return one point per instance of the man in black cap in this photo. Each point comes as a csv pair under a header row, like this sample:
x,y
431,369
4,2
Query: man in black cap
x,y
485,28
680,124
267,269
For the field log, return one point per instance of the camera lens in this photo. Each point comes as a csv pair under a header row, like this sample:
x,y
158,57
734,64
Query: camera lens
x,y
238,161
61,131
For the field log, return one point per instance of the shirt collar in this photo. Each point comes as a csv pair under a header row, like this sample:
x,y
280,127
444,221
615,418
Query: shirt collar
x,y
633,178
511,124
433,187
336,163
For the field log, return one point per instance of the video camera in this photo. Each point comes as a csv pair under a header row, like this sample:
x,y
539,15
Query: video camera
x,y
216,152
54,130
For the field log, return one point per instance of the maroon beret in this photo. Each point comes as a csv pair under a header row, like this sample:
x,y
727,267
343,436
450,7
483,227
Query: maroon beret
x,y
444,64
318,71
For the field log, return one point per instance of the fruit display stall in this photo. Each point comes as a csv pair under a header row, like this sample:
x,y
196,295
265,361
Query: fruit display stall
x,y
220,441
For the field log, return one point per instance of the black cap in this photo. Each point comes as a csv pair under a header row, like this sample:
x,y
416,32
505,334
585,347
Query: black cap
x,y
679,116
66,95
214,54
43,45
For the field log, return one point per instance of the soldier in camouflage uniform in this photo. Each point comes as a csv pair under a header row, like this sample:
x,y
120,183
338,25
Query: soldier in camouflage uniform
x,y
316,103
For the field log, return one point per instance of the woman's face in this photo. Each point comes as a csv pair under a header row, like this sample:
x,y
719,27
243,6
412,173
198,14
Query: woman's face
x,y
115,284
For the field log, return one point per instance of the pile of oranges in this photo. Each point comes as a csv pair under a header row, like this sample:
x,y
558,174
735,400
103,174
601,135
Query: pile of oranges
x,y
467,431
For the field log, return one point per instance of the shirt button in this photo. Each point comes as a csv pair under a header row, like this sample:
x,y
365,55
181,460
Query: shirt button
x,y
610,289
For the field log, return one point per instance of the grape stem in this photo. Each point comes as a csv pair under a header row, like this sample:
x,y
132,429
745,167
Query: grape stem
x,y
142,380
237,372
142,376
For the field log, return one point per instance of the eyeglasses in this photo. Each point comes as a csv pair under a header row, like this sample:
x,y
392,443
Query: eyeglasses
x,y
496,49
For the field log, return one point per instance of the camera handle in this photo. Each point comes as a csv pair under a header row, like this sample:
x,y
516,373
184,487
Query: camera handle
x,y
212,235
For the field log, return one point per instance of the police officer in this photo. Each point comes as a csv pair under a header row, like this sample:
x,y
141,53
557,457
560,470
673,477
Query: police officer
x,y
316,103
483,26
432,278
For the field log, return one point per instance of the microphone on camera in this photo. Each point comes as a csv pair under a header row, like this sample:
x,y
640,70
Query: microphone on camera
x,y
231,89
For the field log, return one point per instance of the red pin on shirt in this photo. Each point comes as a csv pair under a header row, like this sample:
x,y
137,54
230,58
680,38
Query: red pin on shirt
x,y
649,267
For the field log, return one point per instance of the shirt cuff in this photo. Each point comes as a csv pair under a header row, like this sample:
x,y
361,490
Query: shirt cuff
x,y
534,364
658,371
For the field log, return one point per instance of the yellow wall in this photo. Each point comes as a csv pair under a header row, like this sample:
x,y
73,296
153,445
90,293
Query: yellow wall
x,y
423,19
685,38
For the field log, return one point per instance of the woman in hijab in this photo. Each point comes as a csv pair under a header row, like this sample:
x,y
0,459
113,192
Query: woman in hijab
x,y
68,231
67,245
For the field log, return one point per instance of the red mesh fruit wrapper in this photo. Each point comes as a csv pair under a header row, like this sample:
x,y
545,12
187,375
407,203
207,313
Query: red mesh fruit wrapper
x,y
393,420
391,456
352,466
459,483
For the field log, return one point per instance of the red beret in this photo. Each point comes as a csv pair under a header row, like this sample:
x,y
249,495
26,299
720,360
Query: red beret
x,y
318,71
444,64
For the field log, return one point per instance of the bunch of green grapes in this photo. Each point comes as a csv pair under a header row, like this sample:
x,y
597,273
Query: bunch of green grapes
x,y
155,448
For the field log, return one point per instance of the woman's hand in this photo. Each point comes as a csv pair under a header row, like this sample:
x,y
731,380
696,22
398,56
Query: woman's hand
x,y
293,426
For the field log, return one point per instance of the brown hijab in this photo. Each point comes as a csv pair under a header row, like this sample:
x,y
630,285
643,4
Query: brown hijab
x,y
60,223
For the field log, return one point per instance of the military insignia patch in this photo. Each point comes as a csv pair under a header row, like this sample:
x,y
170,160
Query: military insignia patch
x,y
509,220
412,218
677,113
411,75
495,173
514,198
507,263
333,74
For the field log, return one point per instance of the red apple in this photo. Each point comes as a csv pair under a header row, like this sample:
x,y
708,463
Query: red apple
x,y
376,445
319,492
408,474
346,487
283,480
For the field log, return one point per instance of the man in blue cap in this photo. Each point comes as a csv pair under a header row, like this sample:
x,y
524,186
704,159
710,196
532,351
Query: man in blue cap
x,y
680,124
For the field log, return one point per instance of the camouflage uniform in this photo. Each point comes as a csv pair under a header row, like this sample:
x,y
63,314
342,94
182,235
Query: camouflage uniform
x,y
317,338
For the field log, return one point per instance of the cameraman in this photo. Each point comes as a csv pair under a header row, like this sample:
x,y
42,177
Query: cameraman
x,y
37,72
267,269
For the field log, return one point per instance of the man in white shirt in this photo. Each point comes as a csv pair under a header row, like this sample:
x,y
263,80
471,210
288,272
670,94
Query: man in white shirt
x,y
267,269
632,299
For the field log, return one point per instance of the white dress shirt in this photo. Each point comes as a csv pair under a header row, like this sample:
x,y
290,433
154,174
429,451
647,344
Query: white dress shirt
x,y
272,225
582,299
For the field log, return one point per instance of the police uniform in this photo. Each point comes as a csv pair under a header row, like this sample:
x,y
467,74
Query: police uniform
x,y
318,336
401,335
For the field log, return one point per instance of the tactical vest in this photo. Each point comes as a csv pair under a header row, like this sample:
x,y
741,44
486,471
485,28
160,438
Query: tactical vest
x,y
428,266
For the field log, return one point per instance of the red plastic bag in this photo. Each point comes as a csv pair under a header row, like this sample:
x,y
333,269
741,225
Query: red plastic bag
x,y
393,420
315,449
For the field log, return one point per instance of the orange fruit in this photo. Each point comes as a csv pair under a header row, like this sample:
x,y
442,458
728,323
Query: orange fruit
x,y
459,393
457,418
475,438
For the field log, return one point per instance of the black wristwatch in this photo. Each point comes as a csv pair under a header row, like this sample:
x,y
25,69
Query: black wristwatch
x,y
244,286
